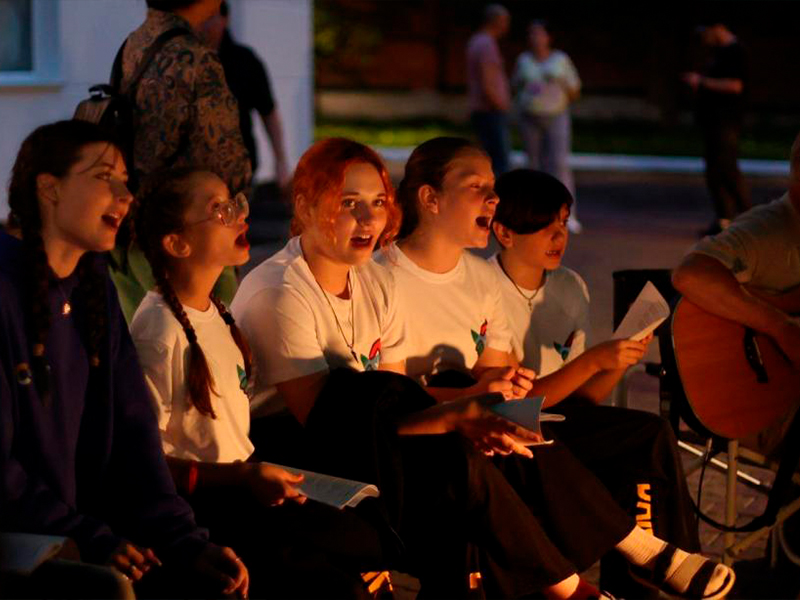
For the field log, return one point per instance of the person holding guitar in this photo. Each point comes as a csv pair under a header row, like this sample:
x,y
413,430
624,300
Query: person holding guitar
x,y
748,275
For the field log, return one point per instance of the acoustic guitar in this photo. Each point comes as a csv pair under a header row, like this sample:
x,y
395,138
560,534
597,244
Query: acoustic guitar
x,y
737,381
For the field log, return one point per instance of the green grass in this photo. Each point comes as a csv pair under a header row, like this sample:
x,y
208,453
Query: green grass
x,y
588,137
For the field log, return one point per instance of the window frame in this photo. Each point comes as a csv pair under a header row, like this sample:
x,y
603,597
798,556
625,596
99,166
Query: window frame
x,y
45,40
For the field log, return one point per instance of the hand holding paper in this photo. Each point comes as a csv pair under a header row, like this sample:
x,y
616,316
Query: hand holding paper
x,y
646,313
527,412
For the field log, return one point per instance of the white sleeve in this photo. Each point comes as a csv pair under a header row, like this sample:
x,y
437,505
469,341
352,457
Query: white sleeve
x,y
394,327
498,331
581,331
281,330
735,248
158,365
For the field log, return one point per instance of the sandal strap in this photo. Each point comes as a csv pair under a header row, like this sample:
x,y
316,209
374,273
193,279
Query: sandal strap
x,y
697,587
662,563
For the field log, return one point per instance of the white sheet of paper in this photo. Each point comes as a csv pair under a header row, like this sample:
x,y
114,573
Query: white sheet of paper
x,y
646,313
333,491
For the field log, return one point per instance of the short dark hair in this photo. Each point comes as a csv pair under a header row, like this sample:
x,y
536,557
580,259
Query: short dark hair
x,y
170,5
529,200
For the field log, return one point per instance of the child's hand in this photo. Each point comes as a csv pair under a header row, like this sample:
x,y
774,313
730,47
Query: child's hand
x,y
132,561
272,485
617,354
489,432
512,383
221,566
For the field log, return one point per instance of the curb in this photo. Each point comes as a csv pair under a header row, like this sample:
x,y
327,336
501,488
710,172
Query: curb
x,y
629,163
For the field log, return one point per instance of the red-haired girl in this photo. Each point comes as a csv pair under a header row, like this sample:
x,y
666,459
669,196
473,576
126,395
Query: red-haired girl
x,y
321,317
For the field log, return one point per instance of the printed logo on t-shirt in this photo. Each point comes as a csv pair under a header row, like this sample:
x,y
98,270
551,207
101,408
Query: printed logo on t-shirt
x,y
373,361
242,377
564,349
480,338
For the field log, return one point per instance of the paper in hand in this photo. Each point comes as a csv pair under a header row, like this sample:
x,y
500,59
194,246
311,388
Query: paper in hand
x,y
527,413
646,313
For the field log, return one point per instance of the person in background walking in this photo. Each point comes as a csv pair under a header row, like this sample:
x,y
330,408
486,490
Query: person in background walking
x,y
249,82
545,82
719,89
488,88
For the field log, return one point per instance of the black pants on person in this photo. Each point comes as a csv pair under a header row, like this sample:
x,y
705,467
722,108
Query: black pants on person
x,y
635,455
725,183
293,550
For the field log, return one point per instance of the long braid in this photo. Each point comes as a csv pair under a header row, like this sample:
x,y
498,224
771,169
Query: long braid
x,y
51,149
161,205
37,295
199,379
236,334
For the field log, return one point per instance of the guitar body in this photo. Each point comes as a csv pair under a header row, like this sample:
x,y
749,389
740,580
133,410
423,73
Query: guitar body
x,y
737,382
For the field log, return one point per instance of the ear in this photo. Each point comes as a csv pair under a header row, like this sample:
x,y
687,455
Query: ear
x,y
503,234
428,200
46,187
303,210
176,246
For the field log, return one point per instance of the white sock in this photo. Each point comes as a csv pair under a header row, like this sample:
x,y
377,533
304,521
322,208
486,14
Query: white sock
x,y
640,548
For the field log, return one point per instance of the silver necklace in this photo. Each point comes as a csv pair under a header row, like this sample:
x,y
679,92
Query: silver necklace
x,y
530,298
352,341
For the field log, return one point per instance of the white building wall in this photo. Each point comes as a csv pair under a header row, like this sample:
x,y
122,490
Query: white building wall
x,y
90,33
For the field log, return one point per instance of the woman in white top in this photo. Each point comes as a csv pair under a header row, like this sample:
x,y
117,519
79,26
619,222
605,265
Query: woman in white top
x,y
197,364
545,82
448,201
320,306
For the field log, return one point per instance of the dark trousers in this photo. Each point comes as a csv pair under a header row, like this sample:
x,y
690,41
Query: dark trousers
x,y
292,551
635,455
455,499
491,127
726,185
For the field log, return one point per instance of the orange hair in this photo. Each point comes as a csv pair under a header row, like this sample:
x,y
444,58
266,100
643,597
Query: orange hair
x,y
319,180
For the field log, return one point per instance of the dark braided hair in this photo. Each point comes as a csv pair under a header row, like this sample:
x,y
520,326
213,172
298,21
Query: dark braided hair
x,y
427,165
162,203
53,149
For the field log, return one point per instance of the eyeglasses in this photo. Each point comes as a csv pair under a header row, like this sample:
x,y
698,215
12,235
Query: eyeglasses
x,y
227,212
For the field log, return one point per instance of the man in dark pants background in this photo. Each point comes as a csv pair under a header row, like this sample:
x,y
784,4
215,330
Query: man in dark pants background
x,y
488,87
719,87
249,82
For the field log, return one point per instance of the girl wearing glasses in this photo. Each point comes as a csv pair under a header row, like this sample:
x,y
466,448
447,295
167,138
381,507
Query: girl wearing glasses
x,y
197,366
79,447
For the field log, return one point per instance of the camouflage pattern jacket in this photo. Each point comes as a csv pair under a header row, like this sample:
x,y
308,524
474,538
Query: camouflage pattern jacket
x,y
185,113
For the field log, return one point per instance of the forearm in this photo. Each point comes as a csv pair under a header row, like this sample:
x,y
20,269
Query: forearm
x,y
600,386
209,475
709,284
431,421
272,124
569,378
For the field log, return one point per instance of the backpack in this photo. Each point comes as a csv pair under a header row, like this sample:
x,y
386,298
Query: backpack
x,y
112,107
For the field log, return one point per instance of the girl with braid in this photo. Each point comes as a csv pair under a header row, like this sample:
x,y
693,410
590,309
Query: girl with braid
x,y
79,445
197,365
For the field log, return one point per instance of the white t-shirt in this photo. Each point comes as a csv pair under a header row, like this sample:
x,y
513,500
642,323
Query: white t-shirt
x,y
761,247
451,316
289,321
164,354
554,332
540,84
